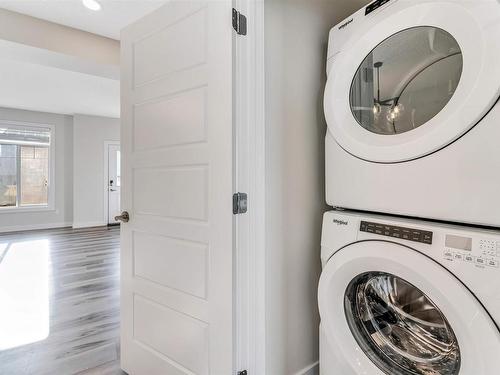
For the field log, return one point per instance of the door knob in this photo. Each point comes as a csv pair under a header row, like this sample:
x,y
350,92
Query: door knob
x,y
124,217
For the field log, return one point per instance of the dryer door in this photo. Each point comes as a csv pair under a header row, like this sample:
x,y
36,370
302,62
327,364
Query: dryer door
x,y
416,76
392,310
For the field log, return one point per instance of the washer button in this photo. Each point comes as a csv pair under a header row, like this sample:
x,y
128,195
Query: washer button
x,y
492,263
469,258
427,238
480,260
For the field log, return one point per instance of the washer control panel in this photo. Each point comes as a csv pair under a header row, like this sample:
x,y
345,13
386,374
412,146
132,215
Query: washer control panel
x,y
409,234
462,247
480,252
374,6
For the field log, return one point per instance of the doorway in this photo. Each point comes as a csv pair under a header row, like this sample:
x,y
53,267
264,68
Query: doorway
x,y
112,174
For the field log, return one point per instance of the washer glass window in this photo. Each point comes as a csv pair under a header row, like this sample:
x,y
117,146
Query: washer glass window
x,y
406,80
399,328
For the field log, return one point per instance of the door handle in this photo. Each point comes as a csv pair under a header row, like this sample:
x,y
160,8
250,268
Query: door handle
x,y
124,217
112,189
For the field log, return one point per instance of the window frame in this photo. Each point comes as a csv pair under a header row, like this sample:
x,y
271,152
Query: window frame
x,y
50,206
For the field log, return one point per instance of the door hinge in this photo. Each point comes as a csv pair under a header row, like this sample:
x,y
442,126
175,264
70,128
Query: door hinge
x,y
239,22
244,372
240,203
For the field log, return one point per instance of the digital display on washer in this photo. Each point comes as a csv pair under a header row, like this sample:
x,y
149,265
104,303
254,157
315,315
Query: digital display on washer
x,y
374,6
409,234
458,242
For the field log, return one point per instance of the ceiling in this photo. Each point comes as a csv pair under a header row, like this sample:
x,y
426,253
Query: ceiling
x,y
114,15
43,80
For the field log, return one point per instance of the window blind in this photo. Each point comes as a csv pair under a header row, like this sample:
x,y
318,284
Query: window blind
x,y
35,136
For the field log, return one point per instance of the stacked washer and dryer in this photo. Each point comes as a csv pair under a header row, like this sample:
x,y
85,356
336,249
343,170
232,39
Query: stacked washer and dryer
x,y
411,252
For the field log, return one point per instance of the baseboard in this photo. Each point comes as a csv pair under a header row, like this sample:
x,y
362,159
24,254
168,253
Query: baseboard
x,y
89,224
20,228
312,369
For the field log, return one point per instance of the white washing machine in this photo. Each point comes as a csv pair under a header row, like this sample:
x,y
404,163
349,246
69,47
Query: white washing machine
x,y
408,297
412,113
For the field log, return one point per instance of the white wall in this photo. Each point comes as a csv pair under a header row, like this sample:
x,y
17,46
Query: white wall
x,y
46,35
62,214
53,68
90,133
296,40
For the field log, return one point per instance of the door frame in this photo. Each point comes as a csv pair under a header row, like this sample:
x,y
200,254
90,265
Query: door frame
x,y
249,164
106,179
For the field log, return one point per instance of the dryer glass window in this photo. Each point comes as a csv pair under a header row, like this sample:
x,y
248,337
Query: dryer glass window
x,y
406,80
400,329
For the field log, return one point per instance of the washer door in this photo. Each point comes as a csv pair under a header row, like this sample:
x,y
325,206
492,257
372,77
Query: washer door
x,y
416,77
392,310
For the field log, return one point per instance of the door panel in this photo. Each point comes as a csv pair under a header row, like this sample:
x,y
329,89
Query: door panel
x,y
186,39
167,123
177,186
181,339
166,261
176,193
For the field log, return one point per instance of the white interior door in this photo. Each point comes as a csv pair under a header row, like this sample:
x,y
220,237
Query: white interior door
x,y
114,182
177,184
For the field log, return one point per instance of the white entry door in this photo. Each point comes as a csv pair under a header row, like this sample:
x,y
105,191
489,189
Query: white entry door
x,y
177,184
114,182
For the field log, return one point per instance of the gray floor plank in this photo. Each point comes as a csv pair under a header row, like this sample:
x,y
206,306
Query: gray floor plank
x,y
83,293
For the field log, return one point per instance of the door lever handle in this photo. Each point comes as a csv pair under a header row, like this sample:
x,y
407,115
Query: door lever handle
x,y
124,217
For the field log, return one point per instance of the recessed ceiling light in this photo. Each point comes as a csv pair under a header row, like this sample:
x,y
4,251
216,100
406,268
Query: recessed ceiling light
x,y
92,4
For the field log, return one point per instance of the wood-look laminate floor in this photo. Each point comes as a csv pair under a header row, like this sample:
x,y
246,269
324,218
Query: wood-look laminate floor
x,y
59,302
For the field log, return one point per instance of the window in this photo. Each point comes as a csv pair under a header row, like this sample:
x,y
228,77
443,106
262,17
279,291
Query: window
x,y
24,166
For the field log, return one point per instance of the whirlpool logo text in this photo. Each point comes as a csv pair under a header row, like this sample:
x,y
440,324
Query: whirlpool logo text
x,y
340,222
345,24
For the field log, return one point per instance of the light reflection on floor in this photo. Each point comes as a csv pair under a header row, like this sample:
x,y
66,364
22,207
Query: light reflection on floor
x,y
24,293
63,283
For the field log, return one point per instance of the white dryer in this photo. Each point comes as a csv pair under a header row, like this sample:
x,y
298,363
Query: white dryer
x,y
407,297
411,106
